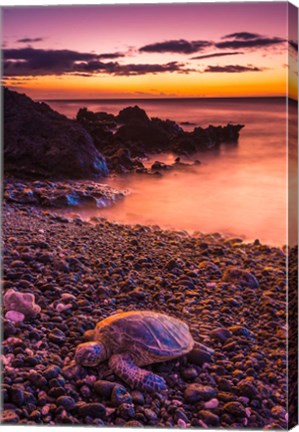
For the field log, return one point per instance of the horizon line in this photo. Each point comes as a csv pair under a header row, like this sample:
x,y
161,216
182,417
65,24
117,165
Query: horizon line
x,y
164,98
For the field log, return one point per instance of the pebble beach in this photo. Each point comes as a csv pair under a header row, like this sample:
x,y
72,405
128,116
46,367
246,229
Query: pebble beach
x,y
231,294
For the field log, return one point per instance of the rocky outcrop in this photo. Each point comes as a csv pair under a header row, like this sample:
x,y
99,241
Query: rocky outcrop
x,y
135,132
132,115
40,142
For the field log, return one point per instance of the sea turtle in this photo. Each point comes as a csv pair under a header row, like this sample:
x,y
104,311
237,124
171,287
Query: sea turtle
x,y
133,339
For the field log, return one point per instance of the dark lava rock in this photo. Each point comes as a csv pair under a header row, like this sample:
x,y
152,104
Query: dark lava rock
x,y
9,416
72,370
126,411
209,418
198,356
104,388
134,424
220,334
151,415
35,416
39,141
93,410
37,380
8,328
171,264
196,392
120,395
235,408
240,331
67,402
247,388
138,397
17,396
51,372
57,336
132,115
189,373
240,276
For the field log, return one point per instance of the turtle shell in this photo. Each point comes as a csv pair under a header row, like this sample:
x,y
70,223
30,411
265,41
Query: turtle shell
x,y
148,336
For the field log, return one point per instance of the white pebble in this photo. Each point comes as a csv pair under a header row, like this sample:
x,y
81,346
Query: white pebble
x,y
15,316
177,402
61,307
182,423
213,403
67,296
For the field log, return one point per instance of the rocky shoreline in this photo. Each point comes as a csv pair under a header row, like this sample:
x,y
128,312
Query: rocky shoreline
x,y
231,294
61,194
40,143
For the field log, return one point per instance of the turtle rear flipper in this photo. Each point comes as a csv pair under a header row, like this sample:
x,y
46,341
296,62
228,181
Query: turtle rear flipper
x,y
130,373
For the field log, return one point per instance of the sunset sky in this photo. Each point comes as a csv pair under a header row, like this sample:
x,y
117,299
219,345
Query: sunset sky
x,y
136,51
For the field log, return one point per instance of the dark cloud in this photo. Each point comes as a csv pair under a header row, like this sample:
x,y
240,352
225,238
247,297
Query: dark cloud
x,y
180,46
216,55
232,69
293,44
242,35
128,70
31,62
251,43
111,55
30,40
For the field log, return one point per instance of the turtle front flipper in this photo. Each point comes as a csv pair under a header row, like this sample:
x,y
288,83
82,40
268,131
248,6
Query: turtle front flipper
x,y
130,373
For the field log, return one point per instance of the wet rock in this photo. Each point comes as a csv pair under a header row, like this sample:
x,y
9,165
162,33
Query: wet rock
x,y
67,402
171,264
247,388
72,371
151,415
235,408
39,141
9,417
189,373
209,418
132,115
133,424
17,396
120,395
138,397
240,331
197,392
51,372
57,336
126,411
240,276
199,356
104,388
221,334
93,410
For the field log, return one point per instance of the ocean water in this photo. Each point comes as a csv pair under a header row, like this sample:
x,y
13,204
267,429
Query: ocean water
x,y
240,190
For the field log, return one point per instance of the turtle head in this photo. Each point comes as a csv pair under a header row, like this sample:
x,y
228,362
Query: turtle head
x,y
90,354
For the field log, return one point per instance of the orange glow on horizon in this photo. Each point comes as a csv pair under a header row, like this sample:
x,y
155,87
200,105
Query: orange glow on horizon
x,y
247,84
